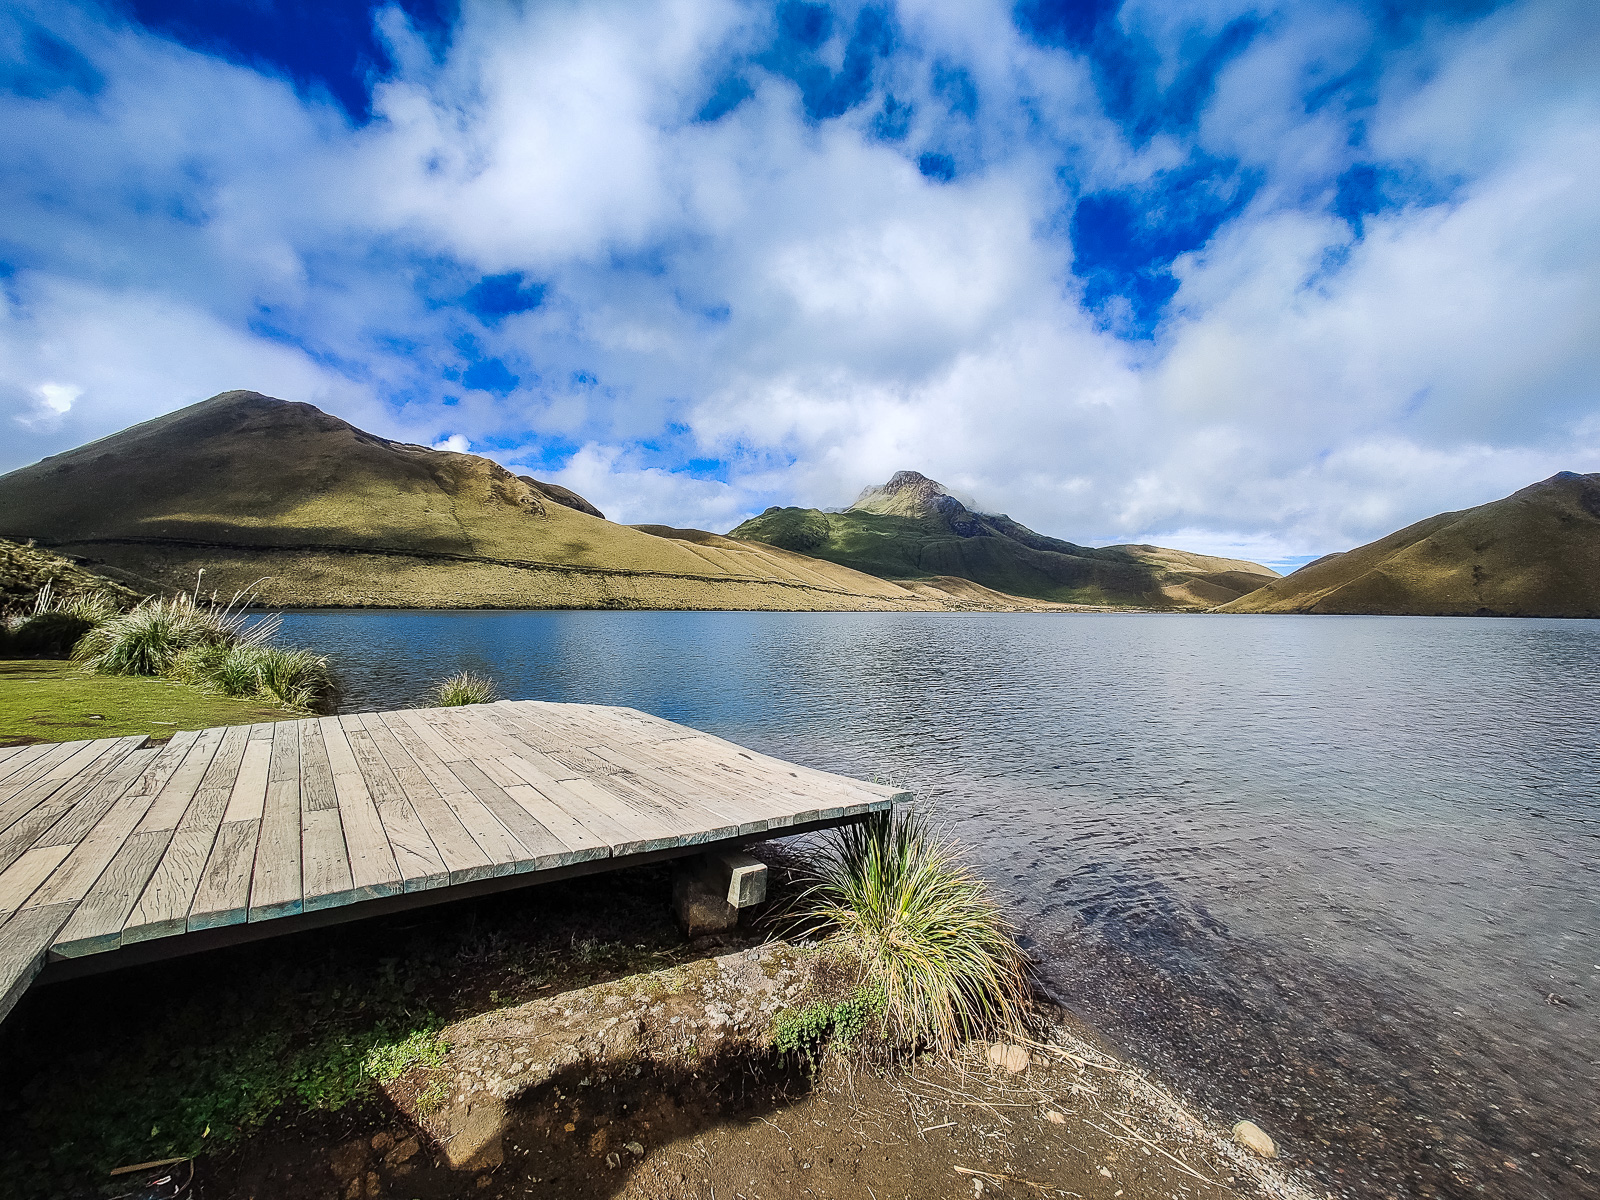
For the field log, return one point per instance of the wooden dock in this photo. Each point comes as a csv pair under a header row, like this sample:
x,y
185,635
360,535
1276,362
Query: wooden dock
x,y
115,851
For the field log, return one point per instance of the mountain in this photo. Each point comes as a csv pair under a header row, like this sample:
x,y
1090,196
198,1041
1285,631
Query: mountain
x,y
913,528
1535,553
307,510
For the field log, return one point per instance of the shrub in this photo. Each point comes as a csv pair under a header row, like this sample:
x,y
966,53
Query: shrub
x,y
803,1032
465,688
48,634
926,929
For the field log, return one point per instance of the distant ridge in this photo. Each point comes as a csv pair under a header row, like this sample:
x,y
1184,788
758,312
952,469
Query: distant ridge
x,y
1535,553
308,510
913,528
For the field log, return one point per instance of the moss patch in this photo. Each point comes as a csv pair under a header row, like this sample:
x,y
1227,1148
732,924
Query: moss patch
x,y
43,700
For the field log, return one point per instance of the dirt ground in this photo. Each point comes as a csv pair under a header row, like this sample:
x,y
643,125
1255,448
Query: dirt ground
x,y
665,1085
586,1050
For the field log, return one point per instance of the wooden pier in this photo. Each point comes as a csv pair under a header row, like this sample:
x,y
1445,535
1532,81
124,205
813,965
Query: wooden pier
x,y
115,851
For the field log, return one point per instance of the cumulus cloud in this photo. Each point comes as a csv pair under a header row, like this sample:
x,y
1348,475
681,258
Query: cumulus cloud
x,y
1217,274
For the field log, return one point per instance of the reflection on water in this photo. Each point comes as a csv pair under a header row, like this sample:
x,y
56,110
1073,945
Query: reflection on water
x,y
1334,873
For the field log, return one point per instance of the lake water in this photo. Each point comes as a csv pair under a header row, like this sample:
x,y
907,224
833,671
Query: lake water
x,y
1340,875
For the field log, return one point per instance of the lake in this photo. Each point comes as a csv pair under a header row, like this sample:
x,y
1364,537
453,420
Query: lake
x,y
1339,875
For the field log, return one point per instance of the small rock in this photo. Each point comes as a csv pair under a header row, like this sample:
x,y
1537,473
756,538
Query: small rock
x,y
1014,1059
402,1151
382,1141
1105,1172
613,1160
1055,1118
634,1148
1252,1137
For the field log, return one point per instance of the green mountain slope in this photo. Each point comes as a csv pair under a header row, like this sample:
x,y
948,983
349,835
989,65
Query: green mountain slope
x,y
913,528
1535,553
306,509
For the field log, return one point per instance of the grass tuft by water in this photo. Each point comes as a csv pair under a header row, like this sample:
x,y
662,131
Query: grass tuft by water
x,y
465,688
925,929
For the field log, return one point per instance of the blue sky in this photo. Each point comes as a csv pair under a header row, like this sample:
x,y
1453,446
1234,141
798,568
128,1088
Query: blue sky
x,y
1267,279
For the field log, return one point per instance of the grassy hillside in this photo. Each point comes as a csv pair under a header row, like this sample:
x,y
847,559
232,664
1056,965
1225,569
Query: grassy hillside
x,y
24,570
912,529
308,510
1534,553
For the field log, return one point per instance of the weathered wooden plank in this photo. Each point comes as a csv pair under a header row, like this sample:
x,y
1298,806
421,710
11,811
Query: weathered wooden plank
x,y
275,878
21,757
108,789
71,881
163,908
175,796
463,858
420,824
24,940
23,877
25,832
541,847
373,871
624,826
54,755
97,922
499,846
222,896
324,860
665,814
420,863
68,780
316,775
164,793
247,798
753,811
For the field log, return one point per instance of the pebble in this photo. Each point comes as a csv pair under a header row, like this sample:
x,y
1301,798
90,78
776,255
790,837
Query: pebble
x,y
1013,1058
1252,1137
1055,1118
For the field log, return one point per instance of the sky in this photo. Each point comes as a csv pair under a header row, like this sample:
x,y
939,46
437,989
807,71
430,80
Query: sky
x,y
1266,279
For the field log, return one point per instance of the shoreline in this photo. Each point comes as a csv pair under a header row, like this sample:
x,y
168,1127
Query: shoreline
x,y
585,1039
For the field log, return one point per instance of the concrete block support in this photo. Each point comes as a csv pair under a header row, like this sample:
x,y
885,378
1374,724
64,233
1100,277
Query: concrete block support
x,y
709,891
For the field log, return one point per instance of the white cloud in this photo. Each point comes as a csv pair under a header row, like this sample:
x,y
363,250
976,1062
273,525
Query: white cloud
x,y
790,305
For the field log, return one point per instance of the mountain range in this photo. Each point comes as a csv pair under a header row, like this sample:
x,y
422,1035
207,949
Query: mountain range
x,y
914,528
304,509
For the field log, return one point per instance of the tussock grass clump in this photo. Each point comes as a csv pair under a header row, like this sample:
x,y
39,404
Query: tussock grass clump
x,y
925,928
148,639
465,688
221,647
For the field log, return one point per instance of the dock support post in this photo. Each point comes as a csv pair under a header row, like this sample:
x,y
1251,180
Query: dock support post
x,y
709,891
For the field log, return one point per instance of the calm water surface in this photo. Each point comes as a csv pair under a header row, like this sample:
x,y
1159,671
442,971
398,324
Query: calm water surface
x,y
1336,874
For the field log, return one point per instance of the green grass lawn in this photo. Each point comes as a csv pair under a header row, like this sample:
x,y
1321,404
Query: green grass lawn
x,y
46,700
